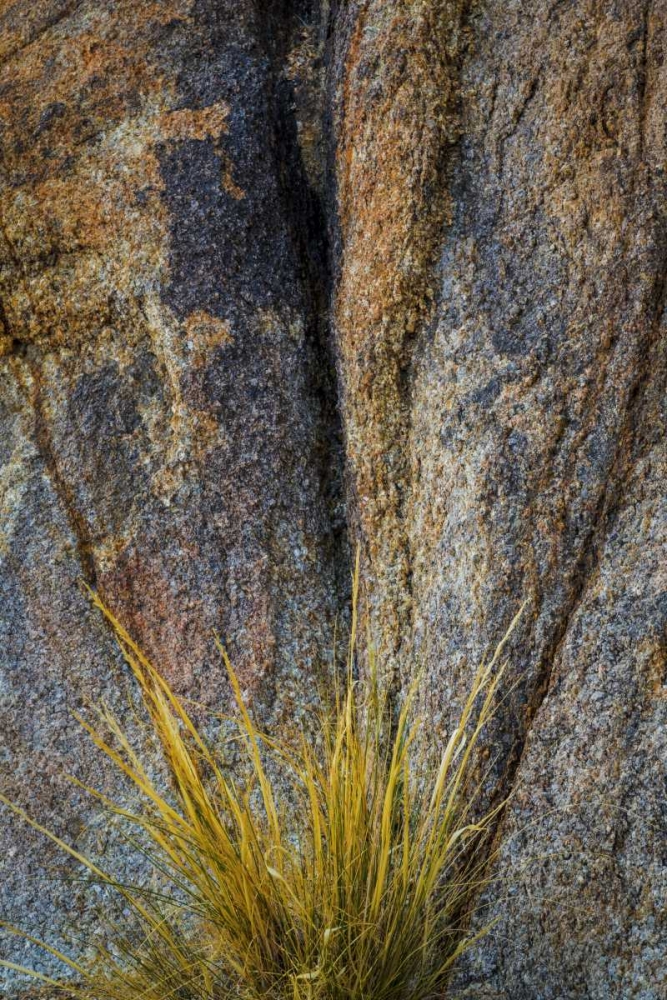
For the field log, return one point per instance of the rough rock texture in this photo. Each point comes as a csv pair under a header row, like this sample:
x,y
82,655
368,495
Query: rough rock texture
x,y
492,180
500,322
395,124
168,426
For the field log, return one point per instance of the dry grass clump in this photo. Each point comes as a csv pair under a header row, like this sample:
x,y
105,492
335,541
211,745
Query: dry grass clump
x,y
336,870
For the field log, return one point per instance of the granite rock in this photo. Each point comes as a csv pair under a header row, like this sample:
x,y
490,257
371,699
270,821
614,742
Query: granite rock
x,y
276,275
169,430
500,323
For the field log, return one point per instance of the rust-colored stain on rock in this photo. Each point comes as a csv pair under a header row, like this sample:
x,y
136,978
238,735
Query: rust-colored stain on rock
x,y
239,239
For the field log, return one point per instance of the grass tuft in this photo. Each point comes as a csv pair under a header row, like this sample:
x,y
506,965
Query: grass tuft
x,y
339,869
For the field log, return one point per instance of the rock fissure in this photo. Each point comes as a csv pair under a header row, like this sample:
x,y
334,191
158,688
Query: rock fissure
x,y
276,274
601,522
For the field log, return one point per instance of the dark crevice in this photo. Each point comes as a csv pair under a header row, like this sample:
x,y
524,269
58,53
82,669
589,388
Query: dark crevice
x,y
307,217
4,322
33,389
18,348
602,520
77,522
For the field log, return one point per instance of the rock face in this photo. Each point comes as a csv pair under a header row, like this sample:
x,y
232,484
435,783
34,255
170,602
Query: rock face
x,y
169,425
490,179
504,409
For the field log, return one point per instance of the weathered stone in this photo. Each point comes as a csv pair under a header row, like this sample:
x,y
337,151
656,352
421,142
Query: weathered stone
x,y
492,179
507,444
170,435
396,125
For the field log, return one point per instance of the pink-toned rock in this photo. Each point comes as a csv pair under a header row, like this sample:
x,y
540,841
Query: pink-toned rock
x,y
491,179
500,322
168,425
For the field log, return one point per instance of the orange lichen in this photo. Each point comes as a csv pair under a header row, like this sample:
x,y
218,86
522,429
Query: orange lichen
x,y
199,123
206,332
90,223
229,184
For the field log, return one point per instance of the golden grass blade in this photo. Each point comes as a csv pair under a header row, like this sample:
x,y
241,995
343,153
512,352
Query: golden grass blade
x,y
334,871
44,946
24,970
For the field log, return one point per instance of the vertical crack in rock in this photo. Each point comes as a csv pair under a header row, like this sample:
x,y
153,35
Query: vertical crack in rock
x,y
84,545
265,286
28,373
296,35
165,286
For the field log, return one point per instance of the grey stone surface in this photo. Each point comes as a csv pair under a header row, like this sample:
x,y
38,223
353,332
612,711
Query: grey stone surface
x,y
503,397
491,180
168,430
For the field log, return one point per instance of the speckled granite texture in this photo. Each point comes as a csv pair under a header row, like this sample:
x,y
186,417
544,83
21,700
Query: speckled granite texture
x,y
274,274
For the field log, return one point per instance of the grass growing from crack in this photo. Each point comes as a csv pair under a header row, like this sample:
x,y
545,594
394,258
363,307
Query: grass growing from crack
x,y
339,869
